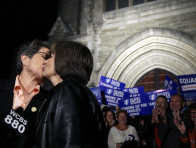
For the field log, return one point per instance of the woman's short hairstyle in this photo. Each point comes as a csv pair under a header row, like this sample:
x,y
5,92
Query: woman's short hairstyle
x,y
121,111
29,49
73,59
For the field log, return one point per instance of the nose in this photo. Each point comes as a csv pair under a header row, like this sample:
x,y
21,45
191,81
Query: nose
x,y
45,62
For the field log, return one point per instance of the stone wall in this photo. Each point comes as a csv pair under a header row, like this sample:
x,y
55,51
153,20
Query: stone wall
x,y
120,24
71,13
111,35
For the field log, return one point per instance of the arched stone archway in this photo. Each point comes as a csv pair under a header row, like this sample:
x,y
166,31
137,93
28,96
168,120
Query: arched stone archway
x,y
162,48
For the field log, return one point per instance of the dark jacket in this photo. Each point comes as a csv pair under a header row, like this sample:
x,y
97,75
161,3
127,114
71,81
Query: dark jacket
x,y
149,133
71,118
168,133
8,137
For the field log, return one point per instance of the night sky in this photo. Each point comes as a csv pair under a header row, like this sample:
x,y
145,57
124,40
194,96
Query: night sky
x,y
21,21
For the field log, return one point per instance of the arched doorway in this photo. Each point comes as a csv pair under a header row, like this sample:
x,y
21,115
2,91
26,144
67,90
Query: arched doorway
x,y
154,79
155,48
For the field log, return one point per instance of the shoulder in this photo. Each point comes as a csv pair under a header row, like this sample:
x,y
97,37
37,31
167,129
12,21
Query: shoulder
x,y
131,128
7,84
71,85
113,129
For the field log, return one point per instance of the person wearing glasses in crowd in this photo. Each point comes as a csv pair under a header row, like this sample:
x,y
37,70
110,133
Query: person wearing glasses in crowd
x,y
21,97
188,134
71,117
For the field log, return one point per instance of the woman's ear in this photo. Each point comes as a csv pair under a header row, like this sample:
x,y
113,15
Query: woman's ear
x,y
24,59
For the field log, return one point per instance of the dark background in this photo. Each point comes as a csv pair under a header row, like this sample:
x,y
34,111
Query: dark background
x,y
21,21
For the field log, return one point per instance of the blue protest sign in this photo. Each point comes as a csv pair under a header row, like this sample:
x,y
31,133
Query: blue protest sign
x,y
187,84
110,83
113,96
169,83
134,90
97,92
136,104
151,96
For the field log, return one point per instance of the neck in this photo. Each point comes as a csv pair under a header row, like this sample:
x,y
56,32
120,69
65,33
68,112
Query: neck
x,y
55,80
122,125
111,123
27,82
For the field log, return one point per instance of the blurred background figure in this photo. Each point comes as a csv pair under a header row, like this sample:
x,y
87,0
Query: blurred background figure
x,y
188,136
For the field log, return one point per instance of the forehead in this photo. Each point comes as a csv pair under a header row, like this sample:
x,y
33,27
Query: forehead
x,y
177,98
44,49
109,112
161,99
121,114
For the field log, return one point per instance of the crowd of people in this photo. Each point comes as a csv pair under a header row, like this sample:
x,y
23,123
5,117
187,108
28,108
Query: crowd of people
x,y
69,115
171,125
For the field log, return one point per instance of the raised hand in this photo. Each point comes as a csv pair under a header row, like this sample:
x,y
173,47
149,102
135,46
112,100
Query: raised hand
x,y
155,113
189,101
176,112
182,128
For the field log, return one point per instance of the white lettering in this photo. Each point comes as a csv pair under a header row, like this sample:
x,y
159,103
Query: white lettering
x,y
115,83
135,100
118,93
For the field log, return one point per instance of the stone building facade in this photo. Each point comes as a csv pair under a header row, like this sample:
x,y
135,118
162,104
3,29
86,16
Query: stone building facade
x,y
128,43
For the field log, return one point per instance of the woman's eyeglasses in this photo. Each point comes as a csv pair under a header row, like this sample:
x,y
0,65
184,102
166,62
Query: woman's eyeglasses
x,y
45,55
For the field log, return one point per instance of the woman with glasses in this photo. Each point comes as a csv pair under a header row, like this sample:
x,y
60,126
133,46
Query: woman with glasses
x,y
71,117
188,135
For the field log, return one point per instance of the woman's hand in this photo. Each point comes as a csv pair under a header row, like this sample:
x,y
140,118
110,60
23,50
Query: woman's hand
x,y
181,128
118,145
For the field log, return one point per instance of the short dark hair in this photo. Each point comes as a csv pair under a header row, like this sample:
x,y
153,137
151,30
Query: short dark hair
x,y
162,96
73,59
29,49
121,111
181,97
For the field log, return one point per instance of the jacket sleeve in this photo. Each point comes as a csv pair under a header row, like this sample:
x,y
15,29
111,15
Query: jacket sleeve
x,y
72,124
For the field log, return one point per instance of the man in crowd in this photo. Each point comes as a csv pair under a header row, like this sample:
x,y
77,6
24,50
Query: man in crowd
x,y
21,98
151,139
168,133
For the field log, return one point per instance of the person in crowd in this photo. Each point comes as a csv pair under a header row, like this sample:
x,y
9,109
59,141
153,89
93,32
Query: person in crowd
x,y
110,121
150,138
187,138
168,132
140,127
110,118
21,97
119,133
72,116
104,110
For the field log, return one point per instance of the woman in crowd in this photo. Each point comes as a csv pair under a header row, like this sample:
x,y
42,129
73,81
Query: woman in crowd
x,y
187,138
110,119
119,133
71,117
